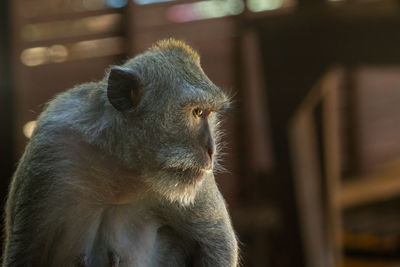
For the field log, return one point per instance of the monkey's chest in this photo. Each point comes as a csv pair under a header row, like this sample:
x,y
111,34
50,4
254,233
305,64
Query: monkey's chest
x,y
116,237
129,242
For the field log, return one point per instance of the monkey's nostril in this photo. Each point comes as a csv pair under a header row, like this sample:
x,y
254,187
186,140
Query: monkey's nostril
x,y
210,152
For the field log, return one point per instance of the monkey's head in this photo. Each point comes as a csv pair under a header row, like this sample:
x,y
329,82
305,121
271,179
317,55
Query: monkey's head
x,y
169,109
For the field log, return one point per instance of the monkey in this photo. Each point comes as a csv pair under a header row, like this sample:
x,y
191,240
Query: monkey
x,y
120,172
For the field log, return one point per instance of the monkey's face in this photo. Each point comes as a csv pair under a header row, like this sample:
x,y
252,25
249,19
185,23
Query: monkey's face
x,y
187,146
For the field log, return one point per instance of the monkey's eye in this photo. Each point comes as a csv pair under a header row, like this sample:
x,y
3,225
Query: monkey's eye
x,y
197,112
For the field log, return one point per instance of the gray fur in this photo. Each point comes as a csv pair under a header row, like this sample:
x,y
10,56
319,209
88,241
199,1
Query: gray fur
x,y
95,181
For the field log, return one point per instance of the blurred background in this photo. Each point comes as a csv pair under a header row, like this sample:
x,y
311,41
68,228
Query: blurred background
x,y
313,139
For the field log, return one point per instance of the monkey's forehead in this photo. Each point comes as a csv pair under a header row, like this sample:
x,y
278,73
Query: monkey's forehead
x,y
214,99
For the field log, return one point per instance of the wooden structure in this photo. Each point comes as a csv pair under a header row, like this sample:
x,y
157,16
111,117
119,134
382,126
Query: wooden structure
x,y
298,48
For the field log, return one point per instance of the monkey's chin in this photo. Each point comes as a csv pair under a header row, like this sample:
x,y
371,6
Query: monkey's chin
x,y
179,186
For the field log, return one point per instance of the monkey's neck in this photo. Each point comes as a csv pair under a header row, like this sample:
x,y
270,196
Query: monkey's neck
x,y
100,178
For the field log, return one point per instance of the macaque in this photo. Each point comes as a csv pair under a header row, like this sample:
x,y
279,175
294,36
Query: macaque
x,y
120,172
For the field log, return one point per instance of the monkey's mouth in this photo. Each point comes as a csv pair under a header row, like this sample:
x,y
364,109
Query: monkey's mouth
x,y
207,167
190,176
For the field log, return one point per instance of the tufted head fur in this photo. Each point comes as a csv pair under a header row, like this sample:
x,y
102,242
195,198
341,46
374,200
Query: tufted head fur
x,y
176,46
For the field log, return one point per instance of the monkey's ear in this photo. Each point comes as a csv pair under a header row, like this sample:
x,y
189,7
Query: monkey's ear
x,y
124,88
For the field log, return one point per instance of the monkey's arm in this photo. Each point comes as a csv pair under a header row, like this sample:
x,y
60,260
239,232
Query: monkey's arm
x,y
208,223
21,225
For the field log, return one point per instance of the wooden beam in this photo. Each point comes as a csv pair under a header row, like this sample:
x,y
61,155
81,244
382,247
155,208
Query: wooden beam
x,y
380,185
